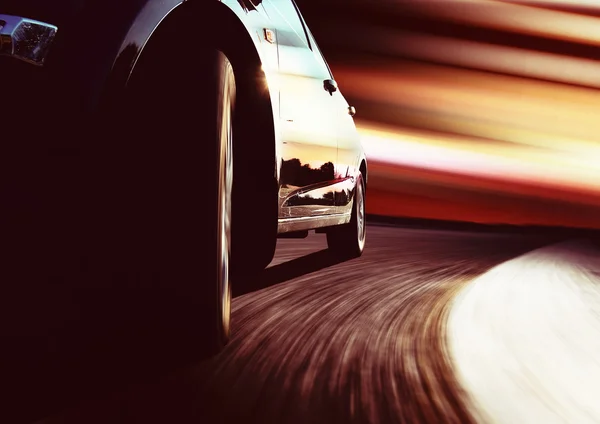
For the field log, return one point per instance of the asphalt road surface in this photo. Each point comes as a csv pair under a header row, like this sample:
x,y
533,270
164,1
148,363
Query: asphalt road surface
x,y
323,341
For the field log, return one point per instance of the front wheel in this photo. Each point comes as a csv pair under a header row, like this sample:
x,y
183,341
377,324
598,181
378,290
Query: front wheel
x,y
185,167
348,240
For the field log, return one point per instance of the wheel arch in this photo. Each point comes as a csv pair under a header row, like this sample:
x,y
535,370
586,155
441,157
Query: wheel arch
x,y
219,22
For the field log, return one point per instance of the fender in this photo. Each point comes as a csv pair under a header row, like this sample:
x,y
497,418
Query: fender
x,y
224,21
255,23
211,18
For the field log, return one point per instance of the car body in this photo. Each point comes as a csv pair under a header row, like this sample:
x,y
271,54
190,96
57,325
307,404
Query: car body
x,y
62,61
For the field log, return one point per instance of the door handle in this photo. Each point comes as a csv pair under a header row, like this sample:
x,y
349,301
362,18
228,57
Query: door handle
x,y
351,110
330,86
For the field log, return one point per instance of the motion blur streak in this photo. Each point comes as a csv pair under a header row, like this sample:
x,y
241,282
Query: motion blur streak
x,y
586,5
508,60
525,337
508,16
488,57
324,341
492,104
448,154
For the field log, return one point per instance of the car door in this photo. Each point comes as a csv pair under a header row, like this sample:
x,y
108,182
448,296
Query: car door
x,y
349,148
308,152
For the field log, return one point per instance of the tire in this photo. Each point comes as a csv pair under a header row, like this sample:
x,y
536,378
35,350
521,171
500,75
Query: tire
x,y
348,240
187,179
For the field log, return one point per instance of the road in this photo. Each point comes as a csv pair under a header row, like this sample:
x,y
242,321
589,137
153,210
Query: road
x,y
525,337
323,341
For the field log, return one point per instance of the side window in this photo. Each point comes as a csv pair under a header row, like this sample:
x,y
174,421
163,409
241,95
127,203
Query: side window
x,y
289,14
298,53
318,55
311,41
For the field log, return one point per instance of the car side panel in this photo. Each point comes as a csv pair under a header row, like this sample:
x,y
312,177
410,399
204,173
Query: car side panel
x,y
349,148
309,139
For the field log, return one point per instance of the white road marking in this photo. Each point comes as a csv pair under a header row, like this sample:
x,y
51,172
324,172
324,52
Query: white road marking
x,y
525,338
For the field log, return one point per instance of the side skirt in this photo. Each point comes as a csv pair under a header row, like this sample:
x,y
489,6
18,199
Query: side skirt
x,y
286,225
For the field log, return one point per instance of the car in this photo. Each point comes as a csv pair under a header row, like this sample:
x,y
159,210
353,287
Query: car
x,y
164,147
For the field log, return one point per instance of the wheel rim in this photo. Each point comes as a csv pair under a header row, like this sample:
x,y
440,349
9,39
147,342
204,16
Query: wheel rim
x,y
225,189
360,215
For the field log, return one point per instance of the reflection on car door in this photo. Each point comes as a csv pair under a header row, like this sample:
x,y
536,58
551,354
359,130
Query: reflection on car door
x,y
309,150
348,142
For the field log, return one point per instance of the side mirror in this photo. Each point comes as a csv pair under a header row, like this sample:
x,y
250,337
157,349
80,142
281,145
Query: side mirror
x,y
330,86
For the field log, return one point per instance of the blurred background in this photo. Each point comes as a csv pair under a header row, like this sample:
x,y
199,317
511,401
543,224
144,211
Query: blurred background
x,y
472,110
